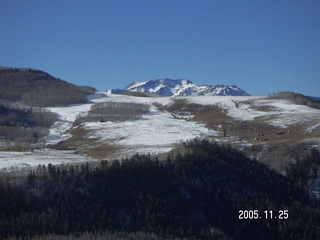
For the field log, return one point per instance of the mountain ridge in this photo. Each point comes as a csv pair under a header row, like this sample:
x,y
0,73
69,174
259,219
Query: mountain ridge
x,y
35,87
180,87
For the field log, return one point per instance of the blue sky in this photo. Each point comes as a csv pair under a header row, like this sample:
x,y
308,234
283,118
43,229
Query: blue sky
x,y
262,46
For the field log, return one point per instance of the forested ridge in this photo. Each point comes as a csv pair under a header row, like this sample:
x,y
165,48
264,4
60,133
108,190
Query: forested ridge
x,y
195,194
37,88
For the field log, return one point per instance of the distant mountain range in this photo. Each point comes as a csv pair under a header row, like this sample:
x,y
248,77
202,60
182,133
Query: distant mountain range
x,y
180,87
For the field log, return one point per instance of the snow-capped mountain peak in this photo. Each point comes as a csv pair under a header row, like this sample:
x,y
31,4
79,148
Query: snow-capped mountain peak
x,y
182,87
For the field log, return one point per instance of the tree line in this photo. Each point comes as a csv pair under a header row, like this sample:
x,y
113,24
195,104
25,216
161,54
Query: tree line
x,y
23,128
114,111
194,194
297,98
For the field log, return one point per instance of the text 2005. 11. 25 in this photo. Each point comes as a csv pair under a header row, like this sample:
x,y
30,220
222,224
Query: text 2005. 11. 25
x,y
267,214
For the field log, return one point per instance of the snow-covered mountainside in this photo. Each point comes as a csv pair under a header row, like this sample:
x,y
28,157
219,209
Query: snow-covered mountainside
x,y
181,87
261,126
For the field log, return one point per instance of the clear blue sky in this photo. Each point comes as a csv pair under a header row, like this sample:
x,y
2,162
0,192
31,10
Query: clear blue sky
x,y
262,46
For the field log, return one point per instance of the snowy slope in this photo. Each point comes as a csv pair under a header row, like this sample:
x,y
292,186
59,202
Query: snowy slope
x,y
280,113
159,131
180,87
67,115
156,132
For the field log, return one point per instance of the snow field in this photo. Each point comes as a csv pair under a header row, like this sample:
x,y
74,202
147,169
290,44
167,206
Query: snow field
x,y
11,161
67,115
156,132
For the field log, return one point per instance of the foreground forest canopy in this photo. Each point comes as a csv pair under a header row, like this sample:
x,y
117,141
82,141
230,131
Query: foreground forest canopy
x,y
194,194
37,88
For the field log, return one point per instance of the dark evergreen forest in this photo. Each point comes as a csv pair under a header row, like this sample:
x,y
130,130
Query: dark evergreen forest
x,y
194,195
